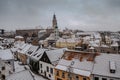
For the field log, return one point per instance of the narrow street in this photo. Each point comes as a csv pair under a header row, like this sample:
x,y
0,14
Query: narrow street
x,y
20,68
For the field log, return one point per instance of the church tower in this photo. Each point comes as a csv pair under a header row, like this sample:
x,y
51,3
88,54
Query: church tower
x,y
55,27
54,21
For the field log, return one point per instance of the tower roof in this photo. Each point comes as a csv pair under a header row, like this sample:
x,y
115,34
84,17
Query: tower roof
x,y
54,17
54,22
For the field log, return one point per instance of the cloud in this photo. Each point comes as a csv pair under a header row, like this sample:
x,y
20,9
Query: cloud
x,y
81,14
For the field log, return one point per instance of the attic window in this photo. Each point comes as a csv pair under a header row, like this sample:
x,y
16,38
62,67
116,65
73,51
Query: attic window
x,y
30,52
112,67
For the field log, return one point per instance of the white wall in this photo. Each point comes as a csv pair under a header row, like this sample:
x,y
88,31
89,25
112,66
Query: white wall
x,y
44,69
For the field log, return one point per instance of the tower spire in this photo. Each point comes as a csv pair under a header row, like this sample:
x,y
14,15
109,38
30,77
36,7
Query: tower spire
x,y
54,22
55,27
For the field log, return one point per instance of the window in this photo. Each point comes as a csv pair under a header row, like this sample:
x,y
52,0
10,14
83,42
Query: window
x,y
35,54
96,78
49,75
104,79
3,77
59,79
63,75
114,48
51,70
57,73
77,78
84,79
47,69
3,68
41,65
41,71
8,62
68,75
38,55
30,52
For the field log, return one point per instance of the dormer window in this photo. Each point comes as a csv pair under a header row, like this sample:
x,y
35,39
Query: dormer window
x,y
112,67
39,55
30,52
35,54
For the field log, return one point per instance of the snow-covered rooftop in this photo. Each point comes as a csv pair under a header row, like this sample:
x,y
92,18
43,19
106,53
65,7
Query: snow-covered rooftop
x,y
101,66
115,44
31,50
55,55
18,37
82,65
19,44
25,49
38,54
6,54
97,36
74,70
93,43
51,37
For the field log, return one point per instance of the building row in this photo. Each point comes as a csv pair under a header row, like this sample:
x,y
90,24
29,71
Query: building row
x,y
64,64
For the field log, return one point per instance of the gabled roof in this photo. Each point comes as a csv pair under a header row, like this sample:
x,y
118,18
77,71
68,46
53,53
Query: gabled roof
x,y
82,65
80,68
55,55
25,48
38,54
102,66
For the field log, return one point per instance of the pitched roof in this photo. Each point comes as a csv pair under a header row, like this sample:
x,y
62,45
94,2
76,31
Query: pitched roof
x,y
82,65
31,50
6,54
38,54
25,48
101,66
76,67
55,55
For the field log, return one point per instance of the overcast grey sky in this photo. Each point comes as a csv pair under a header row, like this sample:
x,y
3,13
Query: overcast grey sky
x,y
75,14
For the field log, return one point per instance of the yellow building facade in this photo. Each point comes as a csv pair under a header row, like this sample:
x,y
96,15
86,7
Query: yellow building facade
x,y
69,43
63,75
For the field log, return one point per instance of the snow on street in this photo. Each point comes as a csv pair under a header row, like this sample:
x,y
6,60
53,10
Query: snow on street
x,y
20,68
